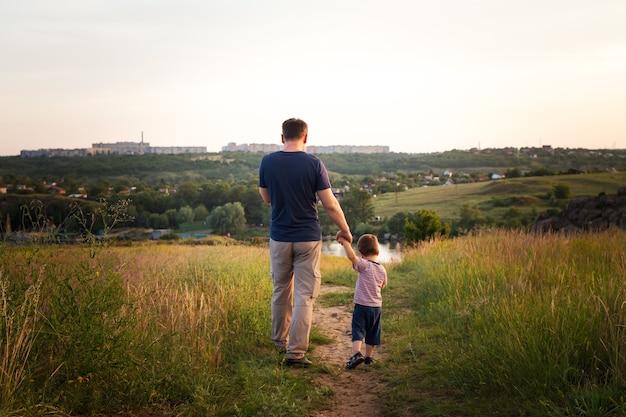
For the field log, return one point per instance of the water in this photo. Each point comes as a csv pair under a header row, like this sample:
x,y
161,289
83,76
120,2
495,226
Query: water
x,y
389,251
194,235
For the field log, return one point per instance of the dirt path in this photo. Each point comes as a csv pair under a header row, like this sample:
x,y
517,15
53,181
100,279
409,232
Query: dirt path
x,y
357,392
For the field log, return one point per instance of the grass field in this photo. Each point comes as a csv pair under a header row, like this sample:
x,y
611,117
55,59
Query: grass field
x,y
497,323
506,323
446,201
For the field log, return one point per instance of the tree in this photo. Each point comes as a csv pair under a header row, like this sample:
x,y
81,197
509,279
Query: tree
x,y
215,194
561,191
200,213
186,194
119,186
229,218
172,216
358,207
396,224
141,219
513,173
257,212
98,190
470,218
513,219
424,225
185,215
158,221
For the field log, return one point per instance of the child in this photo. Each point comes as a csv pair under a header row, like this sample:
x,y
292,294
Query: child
x,y
366,317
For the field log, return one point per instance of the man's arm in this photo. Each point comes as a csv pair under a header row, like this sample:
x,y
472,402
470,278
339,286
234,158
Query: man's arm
x,y
334,211
265,195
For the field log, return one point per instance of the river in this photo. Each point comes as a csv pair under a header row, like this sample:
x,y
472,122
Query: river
x,y
389,252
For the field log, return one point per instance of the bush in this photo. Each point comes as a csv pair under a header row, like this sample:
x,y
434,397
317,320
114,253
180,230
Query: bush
x,y
229,218
561,191
424,225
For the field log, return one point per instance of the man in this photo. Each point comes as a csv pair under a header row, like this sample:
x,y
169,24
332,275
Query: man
x,y
291,180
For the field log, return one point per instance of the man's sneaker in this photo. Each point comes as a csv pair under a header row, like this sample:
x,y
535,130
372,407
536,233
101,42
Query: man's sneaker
x,y
368,360
302,362
355,361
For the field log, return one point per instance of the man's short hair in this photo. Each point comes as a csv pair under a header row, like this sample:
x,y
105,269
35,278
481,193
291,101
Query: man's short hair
x,y
294,128
368,245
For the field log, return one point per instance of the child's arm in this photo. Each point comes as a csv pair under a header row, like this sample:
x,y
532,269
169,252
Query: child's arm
x,y
385,281
347,247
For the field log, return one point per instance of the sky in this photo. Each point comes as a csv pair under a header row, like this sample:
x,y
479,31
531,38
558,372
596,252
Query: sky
x,y
415,75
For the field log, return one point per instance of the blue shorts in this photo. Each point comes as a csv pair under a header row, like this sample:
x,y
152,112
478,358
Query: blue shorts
x,y
366,324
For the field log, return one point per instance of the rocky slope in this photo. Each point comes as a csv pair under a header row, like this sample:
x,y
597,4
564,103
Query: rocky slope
x,y
594,214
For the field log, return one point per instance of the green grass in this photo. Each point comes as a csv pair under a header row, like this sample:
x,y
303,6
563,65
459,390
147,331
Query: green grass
x,y
496,323
335,299
446,201
177,328
507,323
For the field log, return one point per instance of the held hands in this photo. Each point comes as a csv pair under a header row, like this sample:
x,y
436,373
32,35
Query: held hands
x,y
343,236
347,247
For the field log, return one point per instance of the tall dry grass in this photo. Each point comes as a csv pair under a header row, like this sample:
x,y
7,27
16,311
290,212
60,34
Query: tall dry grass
x,y
18,324
180,327
536,316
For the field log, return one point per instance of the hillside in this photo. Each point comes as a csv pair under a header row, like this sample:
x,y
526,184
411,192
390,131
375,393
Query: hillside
x,y
166,191
152,169
496,198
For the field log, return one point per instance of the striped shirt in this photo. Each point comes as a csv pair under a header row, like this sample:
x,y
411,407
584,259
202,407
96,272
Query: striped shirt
x,y
371,279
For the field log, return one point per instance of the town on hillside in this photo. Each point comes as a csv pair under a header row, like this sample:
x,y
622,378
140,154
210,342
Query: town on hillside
x,y
117,148
264,147
144,148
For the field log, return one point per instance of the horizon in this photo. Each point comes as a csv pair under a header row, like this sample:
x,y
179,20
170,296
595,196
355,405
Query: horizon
x,y
542,147
419,77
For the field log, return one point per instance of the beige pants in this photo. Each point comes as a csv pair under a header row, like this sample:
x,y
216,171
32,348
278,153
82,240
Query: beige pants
x,y
296,276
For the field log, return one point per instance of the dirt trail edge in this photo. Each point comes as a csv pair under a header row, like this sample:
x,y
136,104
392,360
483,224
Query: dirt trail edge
x,y
356,392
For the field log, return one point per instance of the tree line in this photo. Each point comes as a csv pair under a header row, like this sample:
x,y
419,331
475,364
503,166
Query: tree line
x,y
220,191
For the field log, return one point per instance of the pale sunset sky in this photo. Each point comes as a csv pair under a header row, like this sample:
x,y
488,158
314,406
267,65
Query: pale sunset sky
x,y
414,75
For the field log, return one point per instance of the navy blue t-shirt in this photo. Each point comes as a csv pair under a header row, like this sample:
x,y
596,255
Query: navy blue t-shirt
x,y
292,180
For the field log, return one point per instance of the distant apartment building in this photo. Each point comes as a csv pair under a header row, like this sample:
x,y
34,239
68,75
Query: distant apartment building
x,y
142,148
176,150
120,148
259,147
53,152
117,148
347,149
252,147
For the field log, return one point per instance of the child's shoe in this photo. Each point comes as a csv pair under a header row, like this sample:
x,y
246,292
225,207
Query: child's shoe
x,y
355,361
368,360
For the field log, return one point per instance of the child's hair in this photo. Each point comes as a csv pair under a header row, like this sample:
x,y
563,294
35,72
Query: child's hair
x,y
368,245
